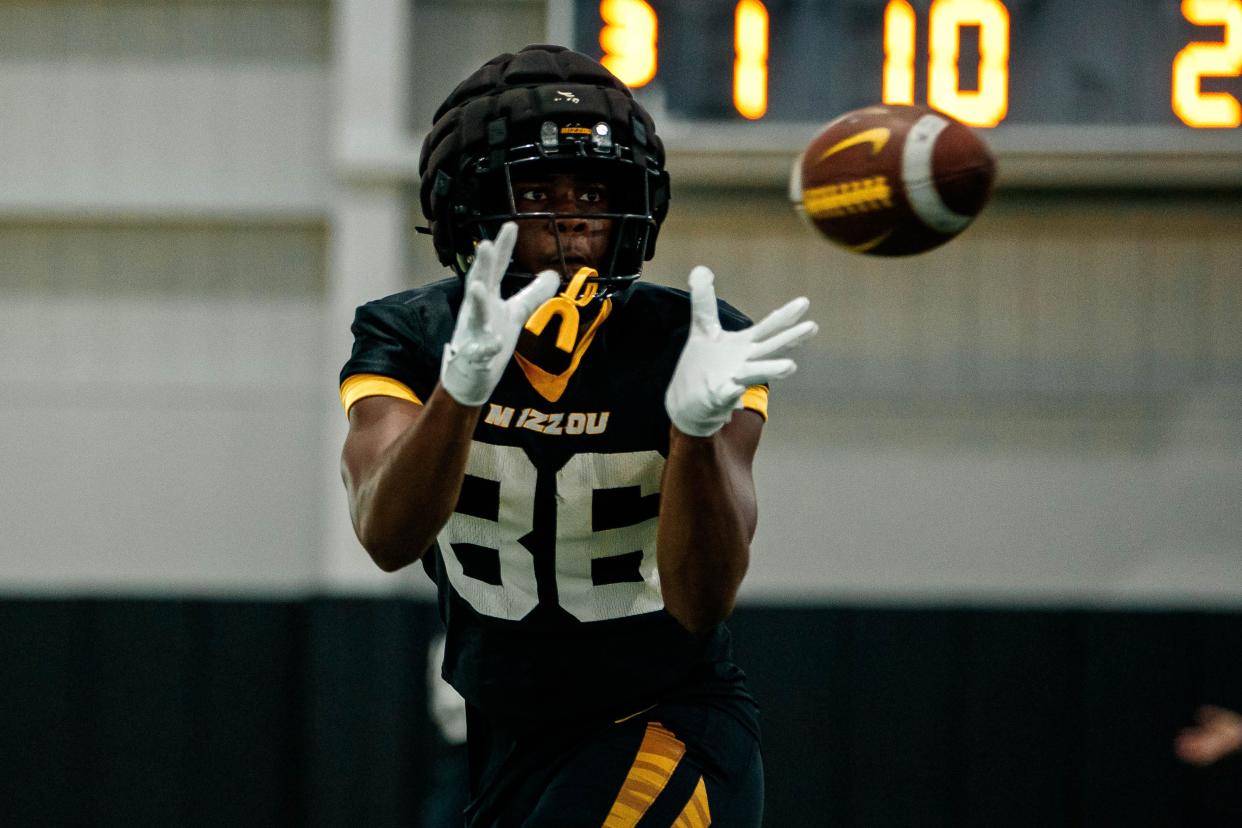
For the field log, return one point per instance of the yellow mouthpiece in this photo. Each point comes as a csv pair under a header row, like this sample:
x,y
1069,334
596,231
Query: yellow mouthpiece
x,y
565,305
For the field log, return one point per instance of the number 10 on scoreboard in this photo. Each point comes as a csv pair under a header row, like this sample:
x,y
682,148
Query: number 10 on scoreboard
x,y
629,39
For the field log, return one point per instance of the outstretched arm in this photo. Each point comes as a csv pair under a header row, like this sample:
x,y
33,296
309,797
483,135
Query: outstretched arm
x,y
403,464
708,515
707,501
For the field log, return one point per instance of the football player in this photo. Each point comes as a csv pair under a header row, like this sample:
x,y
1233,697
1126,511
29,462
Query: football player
x,y
568,451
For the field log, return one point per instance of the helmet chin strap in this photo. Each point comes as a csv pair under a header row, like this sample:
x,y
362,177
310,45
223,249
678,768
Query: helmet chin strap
x,y
577,294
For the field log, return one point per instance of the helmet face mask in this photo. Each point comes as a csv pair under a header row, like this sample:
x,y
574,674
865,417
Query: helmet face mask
x,y
491,197
543,114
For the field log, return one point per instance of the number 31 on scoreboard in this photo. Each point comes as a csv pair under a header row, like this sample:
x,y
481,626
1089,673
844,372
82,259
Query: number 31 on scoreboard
x,y
628,39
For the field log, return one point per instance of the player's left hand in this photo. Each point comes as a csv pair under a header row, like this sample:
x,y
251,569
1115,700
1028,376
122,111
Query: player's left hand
x,y
717,366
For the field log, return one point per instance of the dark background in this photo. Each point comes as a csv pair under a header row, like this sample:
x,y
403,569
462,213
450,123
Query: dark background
x,y
313,712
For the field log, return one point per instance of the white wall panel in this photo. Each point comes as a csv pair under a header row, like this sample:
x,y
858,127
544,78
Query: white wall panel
x,y
1020,506
127,137
65,343
160,444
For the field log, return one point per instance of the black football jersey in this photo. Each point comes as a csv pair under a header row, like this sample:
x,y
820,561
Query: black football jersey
x,y
546,570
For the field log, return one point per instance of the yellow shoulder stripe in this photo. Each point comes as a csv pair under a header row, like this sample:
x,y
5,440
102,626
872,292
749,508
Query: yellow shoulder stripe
x,y
756,399
357,386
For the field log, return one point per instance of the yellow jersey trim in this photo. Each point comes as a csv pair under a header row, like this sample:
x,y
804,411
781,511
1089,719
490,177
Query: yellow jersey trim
x,y
357,386
756,399
552,386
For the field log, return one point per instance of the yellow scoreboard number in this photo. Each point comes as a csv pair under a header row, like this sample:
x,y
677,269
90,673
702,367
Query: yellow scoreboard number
x,y
985,106
1199,60
629,39
750,62
629,43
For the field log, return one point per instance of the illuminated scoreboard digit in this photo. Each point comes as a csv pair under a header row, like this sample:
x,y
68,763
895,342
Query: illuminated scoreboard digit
x,y
986,62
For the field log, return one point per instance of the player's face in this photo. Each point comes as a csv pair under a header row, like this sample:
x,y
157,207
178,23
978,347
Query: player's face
x,y
584,240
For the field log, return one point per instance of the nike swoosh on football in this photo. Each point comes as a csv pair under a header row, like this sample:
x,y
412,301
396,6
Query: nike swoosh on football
x,y
876,137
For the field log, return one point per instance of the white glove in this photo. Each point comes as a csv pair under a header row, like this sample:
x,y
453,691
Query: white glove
x,y
717,366
488,326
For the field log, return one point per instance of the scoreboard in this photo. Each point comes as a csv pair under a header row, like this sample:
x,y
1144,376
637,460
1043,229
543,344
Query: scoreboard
x,y
986,62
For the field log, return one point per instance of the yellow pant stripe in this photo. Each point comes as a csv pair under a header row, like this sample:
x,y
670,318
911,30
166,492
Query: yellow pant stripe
x,y
696,814
657,758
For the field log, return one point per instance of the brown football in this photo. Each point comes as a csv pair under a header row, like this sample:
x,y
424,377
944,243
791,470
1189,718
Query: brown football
x,y
892,180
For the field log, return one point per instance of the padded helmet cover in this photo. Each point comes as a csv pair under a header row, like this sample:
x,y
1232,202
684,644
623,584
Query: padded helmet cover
x,y
503,105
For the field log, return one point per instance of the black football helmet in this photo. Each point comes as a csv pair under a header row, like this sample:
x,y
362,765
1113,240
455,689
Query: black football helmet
x,y
545,109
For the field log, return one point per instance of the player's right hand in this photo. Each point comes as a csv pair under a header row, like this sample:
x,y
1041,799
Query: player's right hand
x,y
487,325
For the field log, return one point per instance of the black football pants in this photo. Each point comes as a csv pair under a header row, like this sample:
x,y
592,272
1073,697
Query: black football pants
x,y
682,764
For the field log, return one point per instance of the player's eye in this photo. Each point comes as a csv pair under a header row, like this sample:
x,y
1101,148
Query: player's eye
x,y
594,195
532,194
